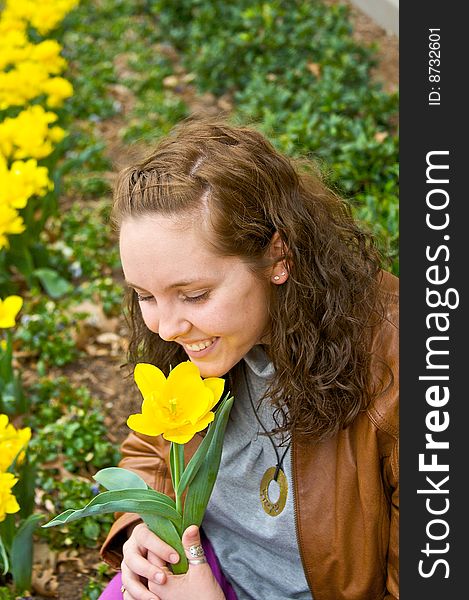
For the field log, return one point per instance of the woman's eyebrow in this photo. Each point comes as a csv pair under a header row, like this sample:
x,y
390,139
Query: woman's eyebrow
x,y
173,285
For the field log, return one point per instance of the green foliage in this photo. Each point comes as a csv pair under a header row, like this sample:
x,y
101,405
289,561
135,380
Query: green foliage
x,y
70,426
83,241
7,594
296,73
70,441
78,437
45,331
155,113
108,291
96,583
65,495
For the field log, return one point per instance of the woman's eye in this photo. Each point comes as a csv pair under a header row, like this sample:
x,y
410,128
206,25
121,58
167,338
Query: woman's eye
x,y
199,298
141,298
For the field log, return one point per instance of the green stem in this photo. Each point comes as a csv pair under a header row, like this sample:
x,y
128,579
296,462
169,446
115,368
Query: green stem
x,y
178,471
6,368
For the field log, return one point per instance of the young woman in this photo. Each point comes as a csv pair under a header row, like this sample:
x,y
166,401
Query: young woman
x,y
241,260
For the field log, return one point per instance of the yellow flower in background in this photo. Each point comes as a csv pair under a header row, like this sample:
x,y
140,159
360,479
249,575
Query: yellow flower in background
x,y
14,45
10,224
8,503
10,23
21,181
47,53
9,309
13,443
15,49
57,90
28,135
44,16
29,71
178,406
21,84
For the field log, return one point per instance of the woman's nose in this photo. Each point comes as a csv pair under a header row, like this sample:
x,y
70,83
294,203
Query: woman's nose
x,y
172,325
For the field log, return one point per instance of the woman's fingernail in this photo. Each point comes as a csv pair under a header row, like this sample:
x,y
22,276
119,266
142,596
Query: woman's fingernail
x,y
174,558
159,577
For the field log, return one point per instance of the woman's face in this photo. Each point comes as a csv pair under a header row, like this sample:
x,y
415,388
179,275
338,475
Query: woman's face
x,y
213,306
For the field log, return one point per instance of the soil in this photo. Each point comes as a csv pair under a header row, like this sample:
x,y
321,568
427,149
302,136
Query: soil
x,y
101,370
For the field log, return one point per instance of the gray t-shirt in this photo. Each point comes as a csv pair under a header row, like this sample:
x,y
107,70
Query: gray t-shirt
x,y
258,553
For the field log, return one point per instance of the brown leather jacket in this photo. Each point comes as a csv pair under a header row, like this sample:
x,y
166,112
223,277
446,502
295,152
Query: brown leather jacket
x,y
346,489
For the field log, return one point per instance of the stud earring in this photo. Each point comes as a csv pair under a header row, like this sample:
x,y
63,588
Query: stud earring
x,y
277,277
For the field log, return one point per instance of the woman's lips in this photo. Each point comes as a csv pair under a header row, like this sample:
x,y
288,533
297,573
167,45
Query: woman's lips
x,y
199,349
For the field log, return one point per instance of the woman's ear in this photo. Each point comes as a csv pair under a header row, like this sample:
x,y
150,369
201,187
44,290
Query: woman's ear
x,y
278,252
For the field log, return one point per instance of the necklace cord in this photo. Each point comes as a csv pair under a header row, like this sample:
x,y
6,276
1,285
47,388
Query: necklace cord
x,y
279,464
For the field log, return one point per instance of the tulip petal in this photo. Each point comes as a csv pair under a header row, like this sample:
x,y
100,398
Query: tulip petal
x,y
186,386
217,385
183,434
142,424
13,304
149,379
178,406
9,308
204,421
184,370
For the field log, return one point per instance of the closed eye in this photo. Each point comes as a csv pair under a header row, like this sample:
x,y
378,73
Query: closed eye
x,y
199,298
141,298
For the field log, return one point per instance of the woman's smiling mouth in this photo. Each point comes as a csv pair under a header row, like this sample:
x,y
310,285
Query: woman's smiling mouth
x,y
198,347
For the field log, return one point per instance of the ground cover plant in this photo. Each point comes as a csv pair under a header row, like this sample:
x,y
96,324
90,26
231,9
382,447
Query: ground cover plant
x,y
112,76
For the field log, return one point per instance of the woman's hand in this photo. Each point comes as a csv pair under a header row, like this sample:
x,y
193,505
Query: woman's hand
x,y
198,583
146,576
145,558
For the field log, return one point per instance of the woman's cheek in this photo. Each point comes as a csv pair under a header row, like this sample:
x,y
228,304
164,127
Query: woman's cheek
x,y
149,316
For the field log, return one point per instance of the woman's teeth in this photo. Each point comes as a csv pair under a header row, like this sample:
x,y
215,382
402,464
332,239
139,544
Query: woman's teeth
x,y
200,345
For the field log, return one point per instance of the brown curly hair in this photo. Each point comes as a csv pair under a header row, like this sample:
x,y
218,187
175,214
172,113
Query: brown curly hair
x,y
322,316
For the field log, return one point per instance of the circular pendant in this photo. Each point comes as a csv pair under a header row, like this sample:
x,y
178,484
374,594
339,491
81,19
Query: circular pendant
x,y
273,508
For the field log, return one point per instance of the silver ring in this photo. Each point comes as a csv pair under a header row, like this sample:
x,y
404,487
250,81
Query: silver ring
x,y
197,561
196,551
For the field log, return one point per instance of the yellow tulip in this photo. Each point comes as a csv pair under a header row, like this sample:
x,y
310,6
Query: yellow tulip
x,y
9,308
13,443
10,223
8,503
178,406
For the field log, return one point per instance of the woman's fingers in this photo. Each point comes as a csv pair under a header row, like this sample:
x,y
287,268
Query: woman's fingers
x,y
145,558
133,587
193,547
140,566
148,541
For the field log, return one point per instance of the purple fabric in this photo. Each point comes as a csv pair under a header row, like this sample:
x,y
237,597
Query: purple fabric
x,y
216,569
113,589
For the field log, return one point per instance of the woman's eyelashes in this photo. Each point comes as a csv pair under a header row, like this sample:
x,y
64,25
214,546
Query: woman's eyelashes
x,y
199,298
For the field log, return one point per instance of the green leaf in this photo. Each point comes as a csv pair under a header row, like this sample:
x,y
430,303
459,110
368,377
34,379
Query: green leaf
x,y
196,460
21,554
91,530
172,466
8,531
198,493
54,285
168,532
4,558
115,478
25,488
131,500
